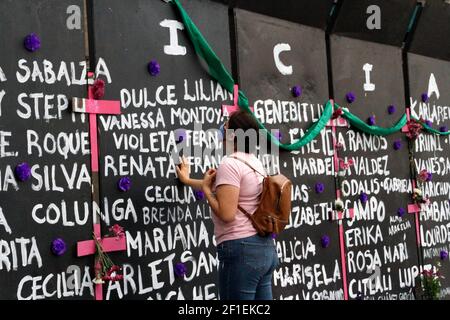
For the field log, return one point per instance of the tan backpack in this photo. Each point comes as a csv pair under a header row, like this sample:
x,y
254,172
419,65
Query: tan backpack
x,y
272,214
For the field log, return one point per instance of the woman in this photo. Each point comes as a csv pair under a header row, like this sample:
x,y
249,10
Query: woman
x,y
247,261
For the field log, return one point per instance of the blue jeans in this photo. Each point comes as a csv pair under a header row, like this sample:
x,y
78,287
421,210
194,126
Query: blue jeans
x,y
245,268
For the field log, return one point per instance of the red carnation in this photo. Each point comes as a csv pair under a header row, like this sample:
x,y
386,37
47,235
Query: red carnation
x,y
112,275
337,113
99,89
414,128
117,231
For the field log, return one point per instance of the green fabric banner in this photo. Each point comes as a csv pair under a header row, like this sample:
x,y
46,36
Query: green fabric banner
x,y
431,130
374,130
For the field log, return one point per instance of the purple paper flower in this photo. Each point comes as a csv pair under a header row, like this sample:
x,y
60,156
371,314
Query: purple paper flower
x,y
371,120
23,171
58,247
397,144
32,42
425,176
443,129
296,91
425,97
319,187
391,109
444,255
401,212
154,68
350,96
180,135
180,269
325,241
199,195
363,197
124,184
429,123
277,134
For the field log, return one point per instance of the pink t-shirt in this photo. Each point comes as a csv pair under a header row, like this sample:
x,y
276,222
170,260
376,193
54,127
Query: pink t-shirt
x,y
236,173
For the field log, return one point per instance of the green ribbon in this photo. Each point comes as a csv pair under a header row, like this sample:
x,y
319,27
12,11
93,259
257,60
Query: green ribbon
x,y
430,129
374,130
219,73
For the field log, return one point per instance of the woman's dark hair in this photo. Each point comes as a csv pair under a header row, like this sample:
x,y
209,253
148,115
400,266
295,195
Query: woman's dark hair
x,y
242,122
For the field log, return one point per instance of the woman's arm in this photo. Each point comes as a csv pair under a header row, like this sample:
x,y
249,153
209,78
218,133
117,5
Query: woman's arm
x,y
224,203
183,174
194,183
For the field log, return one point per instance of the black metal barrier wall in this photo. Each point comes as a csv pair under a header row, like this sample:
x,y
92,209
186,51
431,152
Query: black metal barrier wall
x,y
379,59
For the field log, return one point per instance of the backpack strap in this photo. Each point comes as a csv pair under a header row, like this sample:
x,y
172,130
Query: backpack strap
x,y
245,212
239,206
249,165
251,218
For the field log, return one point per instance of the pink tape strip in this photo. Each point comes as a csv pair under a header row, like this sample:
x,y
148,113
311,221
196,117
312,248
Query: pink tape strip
x,y
102,106
351,213
93,136
413,208
114,244
408,117
94,167
343,260
93,141
98,286
339,122
235,94
230,109
341,226
98,291
417,217
87,247
98,230
418,229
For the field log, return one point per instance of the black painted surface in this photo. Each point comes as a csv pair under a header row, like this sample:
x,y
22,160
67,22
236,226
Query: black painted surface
x,y
431,152
431,36
355,17
48,20
313,13
127,35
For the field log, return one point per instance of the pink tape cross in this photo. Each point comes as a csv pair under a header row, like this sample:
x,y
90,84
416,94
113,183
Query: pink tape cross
x,y
228,110
94,107
339,215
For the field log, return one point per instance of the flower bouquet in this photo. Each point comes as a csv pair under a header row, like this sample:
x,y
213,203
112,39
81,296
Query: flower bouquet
x,y
430,283
105,269
419,198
